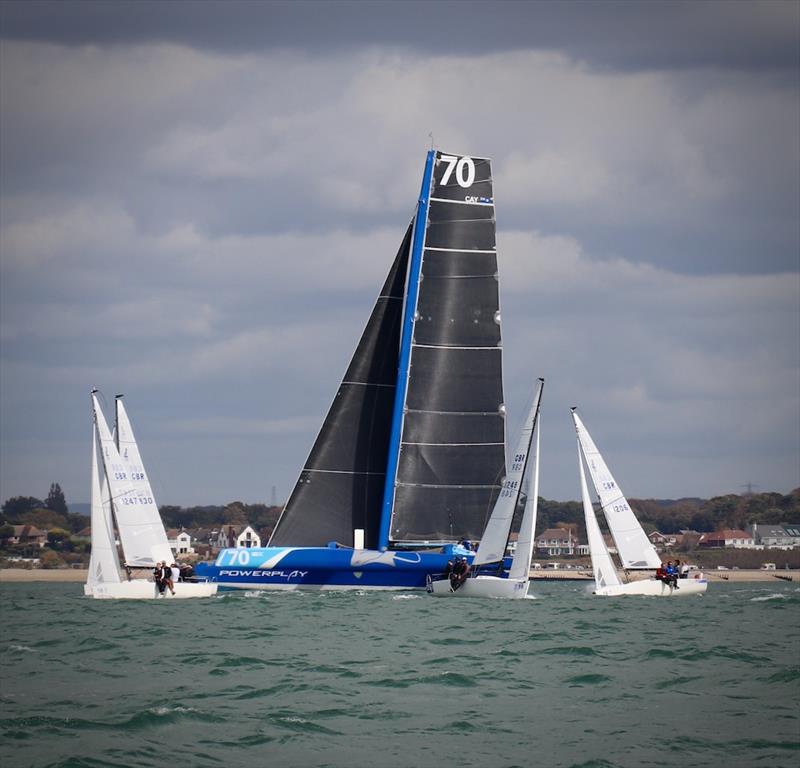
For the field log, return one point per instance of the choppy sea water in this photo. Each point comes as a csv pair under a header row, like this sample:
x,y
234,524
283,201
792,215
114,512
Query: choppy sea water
x,y
401,679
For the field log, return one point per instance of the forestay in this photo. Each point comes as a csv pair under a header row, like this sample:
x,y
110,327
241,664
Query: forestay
x,y
634,548
144,541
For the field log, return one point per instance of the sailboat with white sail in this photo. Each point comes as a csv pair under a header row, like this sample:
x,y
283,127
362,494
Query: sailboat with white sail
x,y
492,546
411,455
635,549
121,493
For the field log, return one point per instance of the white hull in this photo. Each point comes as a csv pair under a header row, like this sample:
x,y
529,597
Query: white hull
x,y
139,589
653,588
481,586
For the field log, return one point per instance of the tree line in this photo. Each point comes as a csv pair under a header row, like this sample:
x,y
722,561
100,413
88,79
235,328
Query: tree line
x,y
666,515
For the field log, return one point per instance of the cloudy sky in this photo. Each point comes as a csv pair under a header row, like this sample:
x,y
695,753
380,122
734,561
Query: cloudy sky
x,y
200,202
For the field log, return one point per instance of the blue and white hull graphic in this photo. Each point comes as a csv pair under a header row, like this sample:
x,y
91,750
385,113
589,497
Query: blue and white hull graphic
x,y
325,568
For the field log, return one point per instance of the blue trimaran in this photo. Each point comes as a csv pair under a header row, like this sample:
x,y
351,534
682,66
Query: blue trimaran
x,y
411,456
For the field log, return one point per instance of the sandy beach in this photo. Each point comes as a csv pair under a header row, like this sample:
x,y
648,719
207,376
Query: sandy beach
x,y
17,575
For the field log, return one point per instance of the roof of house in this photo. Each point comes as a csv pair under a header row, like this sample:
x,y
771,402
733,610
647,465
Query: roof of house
x,y
28,531
727,533
770,530
555,533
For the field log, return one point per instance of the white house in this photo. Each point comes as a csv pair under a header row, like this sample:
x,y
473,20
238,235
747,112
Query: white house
x,y
229,537
248,538
732,538
776,536
180,541
556,541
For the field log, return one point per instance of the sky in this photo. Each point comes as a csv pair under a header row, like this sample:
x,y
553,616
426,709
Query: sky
x,y
199,203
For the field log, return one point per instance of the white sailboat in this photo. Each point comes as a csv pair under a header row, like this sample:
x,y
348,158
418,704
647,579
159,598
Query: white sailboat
x,y
121,492
493,544
633,546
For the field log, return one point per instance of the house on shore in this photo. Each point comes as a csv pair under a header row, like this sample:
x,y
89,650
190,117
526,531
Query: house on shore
x,y
730,538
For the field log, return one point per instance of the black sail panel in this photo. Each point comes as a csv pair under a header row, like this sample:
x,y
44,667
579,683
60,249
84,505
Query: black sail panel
x,y
341,485
452,450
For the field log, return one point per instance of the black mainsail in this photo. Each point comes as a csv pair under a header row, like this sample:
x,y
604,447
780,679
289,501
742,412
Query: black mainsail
x,y
341,485
451,459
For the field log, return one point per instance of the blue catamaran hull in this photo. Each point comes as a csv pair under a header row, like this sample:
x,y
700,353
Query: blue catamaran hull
x,y
325,568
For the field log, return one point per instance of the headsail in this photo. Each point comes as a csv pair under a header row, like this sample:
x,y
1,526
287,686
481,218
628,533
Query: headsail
x,y
494,539
341,485
104,561
521,563
605,572
634,548
450,420
141,532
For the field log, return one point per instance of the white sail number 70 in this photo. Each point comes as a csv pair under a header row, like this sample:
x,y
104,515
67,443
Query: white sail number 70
x,y
464,167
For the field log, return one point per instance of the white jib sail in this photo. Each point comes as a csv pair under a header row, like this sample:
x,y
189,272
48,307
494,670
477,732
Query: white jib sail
x,y
492,547
141,532
634,548
104,562
605,572
521,563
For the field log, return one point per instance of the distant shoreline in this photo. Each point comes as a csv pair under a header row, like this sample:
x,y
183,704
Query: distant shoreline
x,y
17,575
72,575
712,576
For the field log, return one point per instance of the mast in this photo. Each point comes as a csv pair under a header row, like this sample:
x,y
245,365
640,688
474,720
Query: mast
x,y
414,269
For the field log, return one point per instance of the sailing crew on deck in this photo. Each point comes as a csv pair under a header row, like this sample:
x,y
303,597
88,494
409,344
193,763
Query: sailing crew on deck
x,y
158,578
459,574
166,576
672,574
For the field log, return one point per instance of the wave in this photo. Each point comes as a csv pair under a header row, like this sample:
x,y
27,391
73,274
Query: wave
x,y
592,678
773,596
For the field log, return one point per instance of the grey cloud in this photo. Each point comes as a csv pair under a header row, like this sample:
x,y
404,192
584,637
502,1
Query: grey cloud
x,y
207,231
615,34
